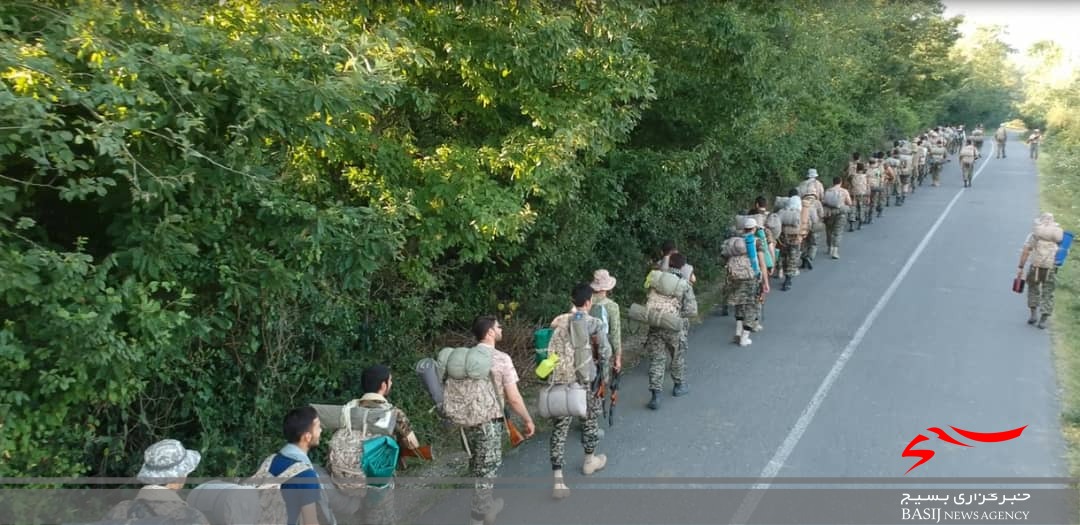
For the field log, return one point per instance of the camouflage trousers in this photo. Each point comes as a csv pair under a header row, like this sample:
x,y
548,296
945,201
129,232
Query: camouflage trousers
x,y
1041,283
877,199
790,254
999,151
378,506
744,297
935,172
834,227
661,344
590,432
967,170
485,443
810,242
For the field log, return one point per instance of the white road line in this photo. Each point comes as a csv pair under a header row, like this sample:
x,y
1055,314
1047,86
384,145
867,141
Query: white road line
x,y
750,502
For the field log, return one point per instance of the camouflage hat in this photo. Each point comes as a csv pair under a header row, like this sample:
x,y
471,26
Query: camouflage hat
x,y
167,460
602,281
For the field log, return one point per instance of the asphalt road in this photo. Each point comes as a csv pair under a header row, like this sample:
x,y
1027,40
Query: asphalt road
x,y
915,326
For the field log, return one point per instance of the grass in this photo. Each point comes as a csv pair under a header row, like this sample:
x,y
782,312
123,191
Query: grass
x,y
1059,190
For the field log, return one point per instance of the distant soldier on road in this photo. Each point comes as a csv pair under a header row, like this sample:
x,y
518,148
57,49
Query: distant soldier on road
x,y
1000,137
968,155
811,191
1033,141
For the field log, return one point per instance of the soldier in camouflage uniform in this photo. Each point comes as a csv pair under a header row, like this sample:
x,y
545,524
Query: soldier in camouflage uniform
x,y
811,191
661,343
1041,246
593,336
748,275
1000,136
485,439
938,157
875,177
791,234
377,381
836,215
166,464
892,178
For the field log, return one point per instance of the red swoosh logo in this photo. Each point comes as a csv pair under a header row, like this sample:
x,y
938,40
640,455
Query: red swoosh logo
x,y
983,437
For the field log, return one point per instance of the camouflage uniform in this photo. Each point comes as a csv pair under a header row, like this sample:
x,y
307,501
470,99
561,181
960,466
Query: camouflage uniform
x,y
661,344
968,154
938,154
837,218
485,443
1000,136
378,508
811,190
590,427
791,253
1033,145
1041,283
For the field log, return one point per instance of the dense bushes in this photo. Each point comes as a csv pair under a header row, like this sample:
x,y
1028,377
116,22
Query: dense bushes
x,y
213,211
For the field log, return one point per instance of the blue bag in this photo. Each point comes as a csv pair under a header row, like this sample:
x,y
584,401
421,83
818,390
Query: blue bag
x,y
1063,249
380,458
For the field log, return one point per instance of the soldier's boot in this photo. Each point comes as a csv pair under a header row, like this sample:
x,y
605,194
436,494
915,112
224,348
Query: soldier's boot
x,y
560,490
787,284
809,264
745,339
680,390
834,252
850,226
724,310
654,403
1042,320
1032,318
593,463
738,330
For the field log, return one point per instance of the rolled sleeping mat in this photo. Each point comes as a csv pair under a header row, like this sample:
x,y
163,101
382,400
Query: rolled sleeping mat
x,y
656,318
427,370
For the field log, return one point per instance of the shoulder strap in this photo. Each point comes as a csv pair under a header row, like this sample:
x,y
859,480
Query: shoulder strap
x,y
294,469
346,414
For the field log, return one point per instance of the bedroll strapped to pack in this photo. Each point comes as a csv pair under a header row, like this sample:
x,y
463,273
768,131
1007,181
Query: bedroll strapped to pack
x,y
667,321
573,346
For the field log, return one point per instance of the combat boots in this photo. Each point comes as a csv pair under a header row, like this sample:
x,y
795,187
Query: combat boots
x,y
834,252
787,284
593,463
1042,320
1032,318
680,390
654,403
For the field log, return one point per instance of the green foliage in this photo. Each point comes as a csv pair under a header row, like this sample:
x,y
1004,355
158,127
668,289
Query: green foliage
x,y
215,211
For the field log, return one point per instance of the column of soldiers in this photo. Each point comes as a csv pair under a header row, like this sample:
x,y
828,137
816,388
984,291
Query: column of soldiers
x,y
762,244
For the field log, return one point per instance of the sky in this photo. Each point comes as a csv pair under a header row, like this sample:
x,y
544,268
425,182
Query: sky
x,y
1027,21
